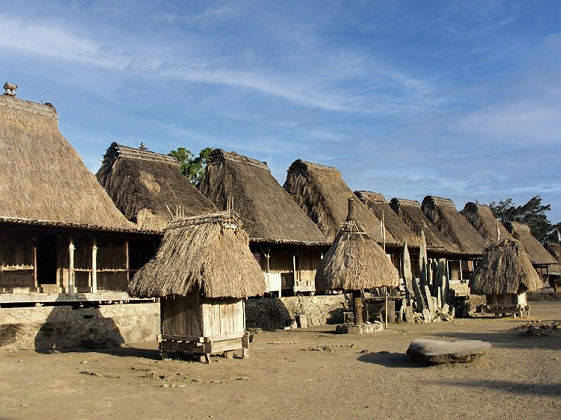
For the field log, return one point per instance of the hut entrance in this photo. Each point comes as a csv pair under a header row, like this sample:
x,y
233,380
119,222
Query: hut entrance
x,y
46,260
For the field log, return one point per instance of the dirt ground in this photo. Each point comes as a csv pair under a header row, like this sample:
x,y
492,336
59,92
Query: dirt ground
x,y
353,377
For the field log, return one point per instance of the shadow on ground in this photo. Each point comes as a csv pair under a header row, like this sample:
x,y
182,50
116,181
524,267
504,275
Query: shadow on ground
x,y
509,387
390,360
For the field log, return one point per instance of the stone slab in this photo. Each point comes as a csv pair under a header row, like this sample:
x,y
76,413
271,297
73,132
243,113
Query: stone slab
x,y
359,329
439,352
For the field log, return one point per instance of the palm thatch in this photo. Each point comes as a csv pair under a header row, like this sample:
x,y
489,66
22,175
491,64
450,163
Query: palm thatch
x,y
322,193
537,253
443,214
504,269
482,219
555,251
149,187
409,211
392,222
355,262
207,253
44,181
269,212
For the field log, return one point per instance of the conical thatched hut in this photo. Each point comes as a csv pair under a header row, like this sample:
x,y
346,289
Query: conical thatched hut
x,y
481,218
202,271
504,275
149,187
355,262
322,193
286,242
59,230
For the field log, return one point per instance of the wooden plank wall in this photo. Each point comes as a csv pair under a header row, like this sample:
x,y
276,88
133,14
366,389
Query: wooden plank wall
x,y
16,253
181,315
223,316
307,261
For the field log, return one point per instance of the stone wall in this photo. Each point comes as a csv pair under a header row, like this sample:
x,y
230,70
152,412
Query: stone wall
x,y
57,327
275,313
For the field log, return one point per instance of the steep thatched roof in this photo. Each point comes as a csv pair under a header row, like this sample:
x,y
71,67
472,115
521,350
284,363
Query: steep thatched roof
x,y
209,253
269,213
355,262
537,253
453,226
322,193
409,211
144,185
555,251
393,223
43,179
481,218
504,268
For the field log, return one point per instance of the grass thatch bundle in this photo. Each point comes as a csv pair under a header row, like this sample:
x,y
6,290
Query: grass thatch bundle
x,y
148,187
268,211
392,222
536,251
482,219
355,262
443,214
410,212
322,193
208,253
42,177
504,269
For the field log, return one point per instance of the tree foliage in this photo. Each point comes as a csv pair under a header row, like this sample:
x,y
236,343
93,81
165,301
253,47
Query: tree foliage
x,y
191,166
532,213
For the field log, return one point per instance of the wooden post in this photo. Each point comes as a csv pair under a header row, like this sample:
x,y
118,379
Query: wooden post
x,y
357,307
127,265
294,269
35,278
268,258
71,273
94,267
386,312
461,274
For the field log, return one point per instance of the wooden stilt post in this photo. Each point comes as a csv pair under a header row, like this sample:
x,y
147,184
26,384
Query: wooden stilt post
x,y
71,272
127,263
35,278
94,267
357,306
386,311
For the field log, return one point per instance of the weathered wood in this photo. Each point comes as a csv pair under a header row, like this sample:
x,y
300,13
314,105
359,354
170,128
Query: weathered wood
x,y
357,307
71,273
94,267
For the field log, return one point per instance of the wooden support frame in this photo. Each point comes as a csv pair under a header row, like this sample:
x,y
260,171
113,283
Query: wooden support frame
x,y
94,267
71,272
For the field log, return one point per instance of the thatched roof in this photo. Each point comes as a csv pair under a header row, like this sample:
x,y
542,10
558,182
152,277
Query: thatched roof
x,y
504,269
208,253
537,253
481,218
555,251
43,179
355,262
144,185
322,193
409,211
269,213
393,223
453,226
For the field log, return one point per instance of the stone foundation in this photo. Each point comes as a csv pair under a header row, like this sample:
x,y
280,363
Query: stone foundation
x,y
58,327
277,313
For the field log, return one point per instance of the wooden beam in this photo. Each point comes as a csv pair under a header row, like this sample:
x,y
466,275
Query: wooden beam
x,y
35,278
71,273
94,267
127,265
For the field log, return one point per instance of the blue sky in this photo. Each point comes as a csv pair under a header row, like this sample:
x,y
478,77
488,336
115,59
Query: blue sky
x,y
406,98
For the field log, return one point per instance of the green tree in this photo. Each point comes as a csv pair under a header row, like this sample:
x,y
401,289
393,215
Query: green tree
x,y
191,166
532,213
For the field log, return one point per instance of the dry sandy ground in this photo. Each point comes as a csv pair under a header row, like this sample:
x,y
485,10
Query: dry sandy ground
x,y
362,376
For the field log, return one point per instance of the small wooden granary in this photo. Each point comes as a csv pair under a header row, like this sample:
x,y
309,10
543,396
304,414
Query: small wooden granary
x,y
202,272
504,275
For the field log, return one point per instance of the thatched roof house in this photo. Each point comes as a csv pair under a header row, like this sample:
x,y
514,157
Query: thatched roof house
x,y
392,222
443,214
355,261
149,187
536,251
409,211
322,193
481,218
207,253
269,213
44,181
504,269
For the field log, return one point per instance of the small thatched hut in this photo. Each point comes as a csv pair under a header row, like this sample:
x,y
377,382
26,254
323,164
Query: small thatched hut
x,y
355,262
504,275
202,272
554,269
540,257
481,218
287,244
59,230
149,187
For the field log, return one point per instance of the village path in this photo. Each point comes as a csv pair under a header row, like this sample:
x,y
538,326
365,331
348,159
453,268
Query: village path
x,y
289,377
